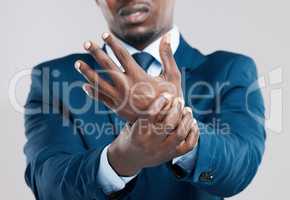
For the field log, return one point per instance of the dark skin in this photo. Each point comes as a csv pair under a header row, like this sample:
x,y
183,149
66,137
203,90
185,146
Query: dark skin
x,y
163,129
147,145
132,91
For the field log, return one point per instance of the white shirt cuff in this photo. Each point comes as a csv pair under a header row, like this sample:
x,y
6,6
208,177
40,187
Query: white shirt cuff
x,y
109,180
186,161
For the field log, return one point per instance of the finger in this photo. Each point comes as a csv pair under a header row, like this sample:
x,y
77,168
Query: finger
x,y
157,106
162,114
190,142
105,61
97,94
101,57
156,129
174,115
125,59
184,127
93,78
170,70
187,145
195,127
157,126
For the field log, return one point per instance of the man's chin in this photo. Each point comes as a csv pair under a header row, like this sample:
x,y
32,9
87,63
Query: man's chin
x,y
138,35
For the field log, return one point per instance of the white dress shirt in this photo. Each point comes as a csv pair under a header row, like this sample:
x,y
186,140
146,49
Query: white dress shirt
x,y
107,177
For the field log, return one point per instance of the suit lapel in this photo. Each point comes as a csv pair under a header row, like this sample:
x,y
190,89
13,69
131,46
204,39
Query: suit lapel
x,y
187,57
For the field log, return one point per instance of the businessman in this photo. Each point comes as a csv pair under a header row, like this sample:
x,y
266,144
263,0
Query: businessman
x,y
145,116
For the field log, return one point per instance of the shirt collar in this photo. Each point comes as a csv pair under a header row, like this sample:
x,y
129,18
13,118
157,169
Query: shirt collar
x,y
152,49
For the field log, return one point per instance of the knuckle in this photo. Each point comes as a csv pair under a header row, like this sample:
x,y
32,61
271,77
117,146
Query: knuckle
x,y
195,129
166,50
94,78
168,127
105,62
181,127
194,121
94,48
166,53
180,136
187,110
192,143
121,53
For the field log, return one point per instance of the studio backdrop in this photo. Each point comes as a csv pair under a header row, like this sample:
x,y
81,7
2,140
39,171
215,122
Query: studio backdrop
x,y
34,31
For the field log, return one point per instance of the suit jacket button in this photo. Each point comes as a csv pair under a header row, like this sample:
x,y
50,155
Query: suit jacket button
x,y
205,177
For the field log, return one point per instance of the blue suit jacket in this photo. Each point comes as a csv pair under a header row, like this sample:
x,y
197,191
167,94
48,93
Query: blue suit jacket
x,y
63,146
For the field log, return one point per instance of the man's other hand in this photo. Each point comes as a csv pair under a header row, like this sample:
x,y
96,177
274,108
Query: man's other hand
x,y
154,140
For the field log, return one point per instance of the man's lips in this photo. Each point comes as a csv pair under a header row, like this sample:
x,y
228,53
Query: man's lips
x,y
134,14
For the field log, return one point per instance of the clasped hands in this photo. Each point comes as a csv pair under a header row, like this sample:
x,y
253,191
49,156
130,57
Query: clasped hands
x,y
162,128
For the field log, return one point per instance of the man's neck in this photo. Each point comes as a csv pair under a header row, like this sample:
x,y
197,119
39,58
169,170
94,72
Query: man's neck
x,y
152,48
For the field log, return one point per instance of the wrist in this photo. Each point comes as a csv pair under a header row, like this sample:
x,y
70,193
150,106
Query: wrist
x,y
120,162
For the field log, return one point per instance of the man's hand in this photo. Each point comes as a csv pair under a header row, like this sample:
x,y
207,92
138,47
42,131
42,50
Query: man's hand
x,y
146,144
132,90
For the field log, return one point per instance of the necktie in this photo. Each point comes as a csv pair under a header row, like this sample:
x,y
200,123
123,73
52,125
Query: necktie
x,y
143,59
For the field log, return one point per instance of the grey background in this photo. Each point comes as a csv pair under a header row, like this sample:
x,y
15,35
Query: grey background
x,y
33,31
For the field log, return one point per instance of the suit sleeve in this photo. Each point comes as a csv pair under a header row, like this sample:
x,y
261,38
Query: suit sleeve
x,y
231,148
58,164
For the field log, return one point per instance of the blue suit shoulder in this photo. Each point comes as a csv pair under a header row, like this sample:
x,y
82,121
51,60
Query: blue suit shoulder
x,y
63,68
66,60
226,65
230,59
